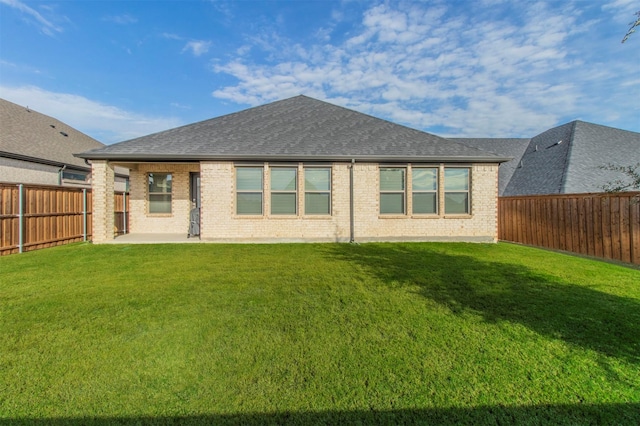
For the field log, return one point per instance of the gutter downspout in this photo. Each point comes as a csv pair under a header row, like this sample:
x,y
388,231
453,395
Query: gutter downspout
x,y
352,234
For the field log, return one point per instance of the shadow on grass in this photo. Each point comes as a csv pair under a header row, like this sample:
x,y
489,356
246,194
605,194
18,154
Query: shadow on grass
x,y
543,414
498,291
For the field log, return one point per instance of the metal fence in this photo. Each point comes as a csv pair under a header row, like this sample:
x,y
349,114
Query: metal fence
x,y
39,216
602,225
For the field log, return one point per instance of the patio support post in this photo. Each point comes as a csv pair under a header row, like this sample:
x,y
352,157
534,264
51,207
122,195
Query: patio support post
x,y
102,179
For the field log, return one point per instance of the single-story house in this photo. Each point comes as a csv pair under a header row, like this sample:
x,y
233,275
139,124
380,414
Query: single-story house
x,y
567,159
300,169
38,149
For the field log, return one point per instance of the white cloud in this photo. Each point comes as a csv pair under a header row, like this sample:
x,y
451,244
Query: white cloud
x,y
105,123
434,67
124,19
197,47
46,26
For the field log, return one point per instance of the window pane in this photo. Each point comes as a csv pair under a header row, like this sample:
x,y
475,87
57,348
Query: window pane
x,y
317,179
249,179
392,203
160,183
425,203
249,203
317,203
391,179
424,179
159,203
456,203
79,176
283,203
456,179
283,179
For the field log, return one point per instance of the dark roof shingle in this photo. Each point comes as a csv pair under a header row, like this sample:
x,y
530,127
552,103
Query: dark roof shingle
x,y
300,128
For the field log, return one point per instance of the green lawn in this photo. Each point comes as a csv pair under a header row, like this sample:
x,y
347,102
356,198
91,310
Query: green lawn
x,y
317,333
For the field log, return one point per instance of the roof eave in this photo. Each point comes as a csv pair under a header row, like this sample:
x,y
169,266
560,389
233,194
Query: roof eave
x,y
282,157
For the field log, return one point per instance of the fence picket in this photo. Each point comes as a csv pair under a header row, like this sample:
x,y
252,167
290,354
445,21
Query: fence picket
x,y
51,216
602,225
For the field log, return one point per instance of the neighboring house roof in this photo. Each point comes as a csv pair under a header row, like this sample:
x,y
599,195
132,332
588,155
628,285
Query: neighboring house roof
x,y
563,160
32,136
513,148
298,128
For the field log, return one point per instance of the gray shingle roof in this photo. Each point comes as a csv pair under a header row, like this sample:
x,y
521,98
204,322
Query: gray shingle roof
x,y
30,135
594,146
565,159
298,128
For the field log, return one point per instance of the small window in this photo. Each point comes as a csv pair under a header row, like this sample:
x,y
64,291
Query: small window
x,y
284,187
392,191
317,191
160,192
456,191
77,176
249,190
424,188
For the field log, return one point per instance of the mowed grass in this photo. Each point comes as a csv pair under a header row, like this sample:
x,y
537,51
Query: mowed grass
x,y
317,333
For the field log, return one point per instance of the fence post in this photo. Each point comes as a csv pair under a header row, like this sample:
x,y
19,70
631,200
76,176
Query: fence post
x,y
84,215
20,218
124,212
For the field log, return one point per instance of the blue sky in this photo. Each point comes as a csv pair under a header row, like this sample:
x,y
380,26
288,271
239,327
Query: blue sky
x,y
483,68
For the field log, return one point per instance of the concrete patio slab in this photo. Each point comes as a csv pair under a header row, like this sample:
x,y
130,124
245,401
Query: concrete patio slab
x,y
154,239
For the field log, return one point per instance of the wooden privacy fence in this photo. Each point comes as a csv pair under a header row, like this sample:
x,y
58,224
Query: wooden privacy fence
x,y
603,225
39,216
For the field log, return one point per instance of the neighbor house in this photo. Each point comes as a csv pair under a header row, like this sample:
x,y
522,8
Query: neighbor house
x,y
567,159
300,169
38,149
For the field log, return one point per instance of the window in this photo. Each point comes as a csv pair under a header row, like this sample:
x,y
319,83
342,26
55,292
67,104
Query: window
x,y
456,191
249,190
392,188
160,192
284,190
424,188
75,175
317,191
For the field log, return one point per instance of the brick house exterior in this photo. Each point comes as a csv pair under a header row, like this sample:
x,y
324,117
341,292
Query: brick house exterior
x,y
301,170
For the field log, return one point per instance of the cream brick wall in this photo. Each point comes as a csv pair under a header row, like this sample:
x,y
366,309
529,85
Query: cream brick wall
x,y
480,225
219,221
102,177
140,220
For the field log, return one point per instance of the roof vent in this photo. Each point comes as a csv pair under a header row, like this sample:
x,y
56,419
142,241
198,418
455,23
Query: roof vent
x,y
53,126
555,144
64,134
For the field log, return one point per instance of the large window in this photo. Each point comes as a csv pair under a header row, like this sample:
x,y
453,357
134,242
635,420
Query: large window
x,y
456,190
424,188
317,191
392,190
249,190
160,193
284,190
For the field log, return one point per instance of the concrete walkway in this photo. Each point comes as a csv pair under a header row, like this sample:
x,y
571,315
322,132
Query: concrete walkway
x,y
154,239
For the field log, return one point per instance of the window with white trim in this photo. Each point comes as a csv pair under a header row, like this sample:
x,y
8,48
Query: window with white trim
x,y
160,193
392,190
456,190
249,190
